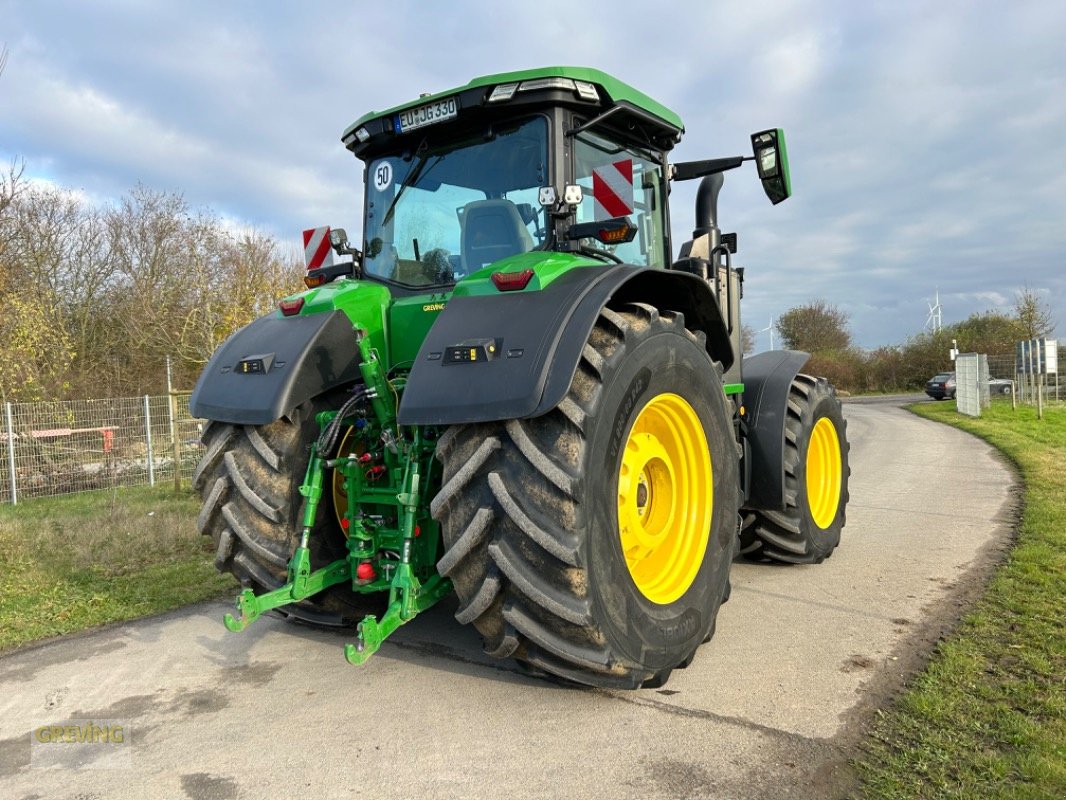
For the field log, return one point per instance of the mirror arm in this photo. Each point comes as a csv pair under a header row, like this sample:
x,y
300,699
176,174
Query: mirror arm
x,y
687,170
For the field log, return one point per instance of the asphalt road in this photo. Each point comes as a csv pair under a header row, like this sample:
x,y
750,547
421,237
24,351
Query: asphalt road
x,y
768,709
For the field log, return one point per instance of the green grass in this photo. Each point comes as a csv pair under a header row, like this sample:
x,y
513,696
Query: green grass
x,y
987,719
69,563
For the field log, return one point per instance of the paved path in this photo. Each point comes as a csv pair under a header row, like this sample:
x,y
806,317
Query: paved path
x,y
766,710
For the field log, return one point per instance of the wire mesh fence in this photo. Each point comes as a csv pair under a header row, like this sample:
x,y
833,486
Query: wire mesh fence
x,y
1001,366
1004,368
63,447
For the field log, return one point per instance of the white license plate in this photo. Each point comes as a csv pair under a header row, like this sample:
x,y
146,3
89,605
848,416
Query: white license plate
x,y
429,114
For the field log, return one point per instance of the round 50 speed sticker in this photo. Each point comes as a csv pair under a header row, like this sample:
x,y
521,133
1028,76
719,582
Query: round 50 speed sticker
x,y
383,176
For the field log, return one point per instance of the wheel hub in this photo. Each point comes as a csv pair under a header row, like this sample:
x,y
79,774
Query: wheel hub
x,y
642,494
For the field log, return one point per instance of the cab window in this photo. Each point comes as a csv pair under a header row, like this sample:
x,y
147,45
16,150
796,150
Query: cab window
x,y
622,181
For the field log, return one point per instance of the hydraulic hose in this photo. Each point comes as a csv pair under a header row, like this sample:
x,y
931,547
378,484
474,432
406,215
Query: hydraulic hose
x,y
327,440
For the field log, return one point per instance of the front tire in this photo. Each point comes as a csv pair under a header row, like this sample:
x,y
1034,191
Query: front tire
x,y
816,482
594,542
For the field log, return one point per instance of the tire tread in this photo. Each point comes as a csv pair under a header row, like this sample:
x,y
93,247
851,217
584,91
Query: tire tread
x,y
787,536
510,521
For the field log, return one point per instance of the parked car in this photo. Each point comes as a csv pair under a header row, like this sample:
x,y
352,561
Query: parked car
x,y
942,386
1000,386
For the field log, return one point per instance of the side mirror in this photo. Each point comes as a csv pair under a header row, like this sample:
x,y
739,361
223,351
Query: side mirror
x,y
771,159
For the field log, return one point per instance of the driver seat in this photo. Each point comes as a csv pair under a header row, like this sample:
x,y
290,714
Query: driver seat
x,y
492,229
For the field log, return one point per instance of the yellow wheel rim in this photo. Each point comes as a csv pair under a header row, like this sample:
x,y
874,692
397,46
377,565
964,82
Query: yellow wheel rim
x,y
823,473
665,491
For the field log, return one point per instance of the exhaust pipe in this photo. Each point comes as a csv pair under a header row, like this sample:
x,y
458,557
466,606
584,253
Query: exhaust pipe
x,y
707,209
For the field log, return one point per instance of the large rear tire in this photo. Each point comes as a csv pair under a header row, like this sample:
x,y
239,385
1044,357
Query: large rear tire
x,y
249,479
594,542
816,482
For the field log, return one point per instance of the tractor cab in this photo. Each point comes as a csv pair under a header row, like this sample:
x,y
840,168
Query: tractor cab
x,y
468,182
511,164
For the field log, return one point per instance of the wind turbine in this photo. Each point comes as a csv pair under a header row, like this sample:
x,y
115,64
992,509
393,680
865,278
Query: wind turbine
x,y
770,328
935,317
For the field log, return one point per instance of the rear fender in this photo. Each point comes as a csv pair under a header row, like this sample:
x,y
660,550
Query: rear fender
x,y
270,366
767,379
536,339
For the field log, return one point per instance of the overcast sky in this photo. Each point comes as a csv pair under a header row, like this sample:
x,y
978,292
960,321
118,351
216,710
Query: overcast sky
x,y
926,139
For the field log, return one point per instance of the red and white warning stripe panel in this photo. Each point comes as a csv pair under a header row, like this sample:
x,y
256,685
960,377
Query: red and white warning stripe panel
x,y
612,189
317,252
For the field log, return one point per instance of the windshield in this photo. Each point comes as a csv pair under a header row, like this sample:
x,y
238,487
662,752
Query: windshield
x,y
446,211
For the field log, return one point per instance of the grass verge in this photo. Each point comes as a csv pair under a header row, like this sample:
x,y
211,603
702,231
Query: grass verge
x,y
73,562
987,719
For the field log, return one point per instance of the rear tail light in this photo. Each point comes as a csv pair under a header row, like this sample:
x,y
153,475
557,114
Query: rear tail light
x,y
512,281
290,308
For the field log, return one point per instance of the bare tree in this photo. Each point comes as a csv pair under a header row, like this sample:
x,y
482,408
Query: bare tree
x,y
10,187
1033,314
10,184
238,278
48,223
95,299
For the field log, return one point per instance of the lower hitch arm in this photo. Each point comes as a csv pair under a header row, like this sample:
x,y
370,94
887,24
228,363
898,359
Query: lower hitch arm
x,y
415,598
302,581
303,584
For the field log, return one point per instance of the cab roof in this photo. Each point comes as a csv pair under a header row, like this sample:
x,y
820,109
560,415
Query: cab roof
x,y
616,92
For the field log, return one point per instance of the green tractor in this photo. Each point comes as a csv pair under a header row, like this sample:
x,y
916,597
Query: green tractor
x,y
513,390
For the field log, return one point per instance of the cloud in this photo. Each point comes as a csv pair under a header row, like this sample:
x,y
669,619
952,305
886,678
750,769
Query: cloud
x,y
924,138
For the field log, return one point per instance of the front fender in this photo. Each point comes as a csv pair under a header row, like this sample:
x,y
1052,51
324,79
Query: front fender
x,y
300,357
536,340
767,380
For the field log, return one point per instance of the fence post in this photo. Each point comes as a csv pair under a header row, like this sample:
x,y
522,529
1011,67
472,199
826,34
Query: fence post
x,y
175,440
11,455
148,441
